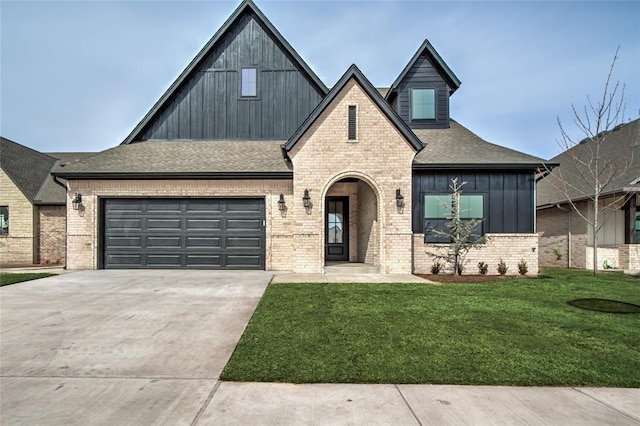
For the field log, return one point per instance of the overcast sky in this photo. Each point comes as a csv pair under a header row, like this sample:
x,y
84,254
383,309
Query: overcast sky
x,y
79,75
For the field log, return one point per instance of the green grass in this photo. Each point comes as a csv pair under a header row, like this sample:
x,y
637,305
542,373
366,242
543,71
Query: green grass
x,y
9,278
511,332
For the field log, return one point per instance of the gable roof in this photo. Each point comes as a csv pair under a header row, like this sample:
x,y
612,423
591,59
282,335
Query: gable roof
x,y
247,6
30,172
458,147
354,73
183,160
444,70
621,144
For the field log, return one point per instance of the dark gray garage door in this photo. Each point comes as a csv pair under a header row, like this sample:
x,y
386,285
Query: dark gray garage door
x,y
184,233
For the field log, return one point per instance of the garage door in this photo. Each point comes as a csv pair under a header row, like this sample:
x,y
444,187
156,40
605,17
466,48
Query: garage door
x,y
184,233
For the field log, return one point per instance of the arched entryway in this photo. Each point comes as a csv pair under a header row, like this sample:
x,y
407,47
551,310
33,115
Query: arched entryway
x,y
352,222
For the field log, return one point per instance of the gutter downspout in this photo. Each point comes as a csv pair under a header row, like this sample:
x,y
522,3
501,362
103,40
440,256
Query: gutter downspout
x,y
568,235
66,222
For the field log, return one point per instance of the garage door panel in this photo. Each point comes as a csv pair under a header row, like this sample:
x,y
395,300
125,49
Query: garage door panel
x,y
244,224
124,260
184,233
199,206
164,260
164,242
204,224
204,260
164,207
168,224
125,242
195,242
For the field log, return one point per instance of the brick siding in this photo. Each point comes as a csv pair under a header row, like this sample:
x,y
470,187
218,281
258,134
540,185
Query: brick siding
x,y
16,248
52,221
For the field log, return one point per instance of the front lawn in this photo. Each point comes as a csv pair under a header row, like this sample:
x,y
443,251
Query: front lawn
x,y
10,278
512,332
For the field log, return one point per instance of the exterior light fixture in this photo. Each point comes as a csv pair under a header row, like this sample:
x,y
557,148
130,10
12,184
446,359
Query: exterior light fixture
x,y
306,200
399,199
77,201
281,205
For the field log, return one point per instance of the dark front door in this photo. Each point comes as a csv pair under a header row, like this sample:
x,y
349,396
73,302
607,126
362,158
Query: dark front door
x,y
336,229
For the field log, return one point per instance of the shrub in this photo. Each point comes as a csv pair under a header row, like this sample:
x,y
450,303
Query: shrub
x,y
558,253
436,268
483,268
522,267
502,267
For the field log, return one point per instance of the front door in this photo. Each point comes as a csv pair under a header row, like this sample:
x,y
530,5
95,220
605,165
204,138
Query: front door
x,y
336,229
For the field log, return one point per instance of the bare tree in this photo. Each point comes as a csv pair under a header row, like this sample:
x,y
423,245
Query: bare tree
x,y
460,232
591,167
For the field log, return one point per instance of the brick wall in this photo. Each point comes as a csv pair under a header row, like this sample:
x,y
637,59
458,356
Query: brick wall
x,y
18,246
368,230
82,224
511,248
553,227
380,157
52,221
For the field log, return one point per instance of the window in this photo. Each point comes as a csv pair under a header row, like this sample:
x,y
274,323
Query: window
x,y
352,122
637,224
438,206
4,220
249,82
423,104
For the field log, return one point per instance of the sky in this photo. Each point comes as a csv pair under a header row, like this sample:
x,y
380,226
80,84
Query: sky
x,y
80,75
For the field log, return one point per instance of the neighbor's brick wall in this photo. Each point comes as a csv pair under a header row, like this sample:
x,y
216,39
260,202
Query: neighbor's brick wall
x,y
553,227
630,257
52,221
18,246
82,225
512,248
379,157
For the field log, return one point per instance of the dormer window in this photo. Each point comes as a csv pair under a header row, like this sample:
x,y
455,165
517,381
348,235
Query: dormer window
x,y
249,82
423,104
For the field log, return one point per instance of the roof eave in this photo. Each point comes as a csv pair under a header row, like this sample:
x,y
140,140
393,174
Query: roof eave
x,y
477,166
174,175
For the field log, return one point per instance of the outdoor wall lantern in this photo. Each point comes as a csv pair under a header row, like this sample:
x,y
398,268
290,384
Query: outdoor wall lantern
x,y
281,205
306,200
399,199
77,201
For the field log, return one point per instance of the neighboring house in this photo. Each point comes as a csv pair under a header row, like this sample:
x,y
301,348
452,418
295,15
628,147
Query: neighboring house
x,y
32,207
566,239
249,161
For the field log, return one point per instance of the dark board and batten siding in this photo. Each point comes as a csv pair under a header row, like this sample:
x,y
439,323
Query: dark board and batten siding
x,y
508,197
208,105
423,75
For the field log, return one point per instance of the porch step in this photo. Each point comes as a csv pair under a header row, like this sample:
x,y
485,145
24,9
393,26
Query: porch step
x,y
347,268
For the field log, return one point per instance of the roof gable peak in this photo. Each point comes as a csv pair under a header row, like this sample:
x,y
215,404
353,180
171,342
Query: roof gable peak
x,y
353,72
434,57
246,6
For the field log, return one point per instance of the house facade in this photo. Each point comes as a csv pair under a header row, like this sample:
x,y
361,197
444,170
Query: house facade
x,y
566,239
32,208
250,161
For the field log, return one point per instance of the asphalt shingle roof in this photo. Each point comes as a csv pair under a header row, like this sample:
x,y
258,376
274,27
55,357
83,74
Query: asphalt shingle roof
x,y
183,157
29,170
621,146
459,146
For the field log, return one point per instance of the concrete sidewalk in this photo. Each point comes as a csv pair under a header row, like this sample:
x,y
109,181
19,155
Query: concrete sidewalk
x,y
344,404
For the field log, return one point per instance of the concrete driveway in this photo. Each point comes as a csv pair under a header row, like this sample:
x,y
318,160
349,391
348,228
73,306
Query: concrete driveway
x,y
120,346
